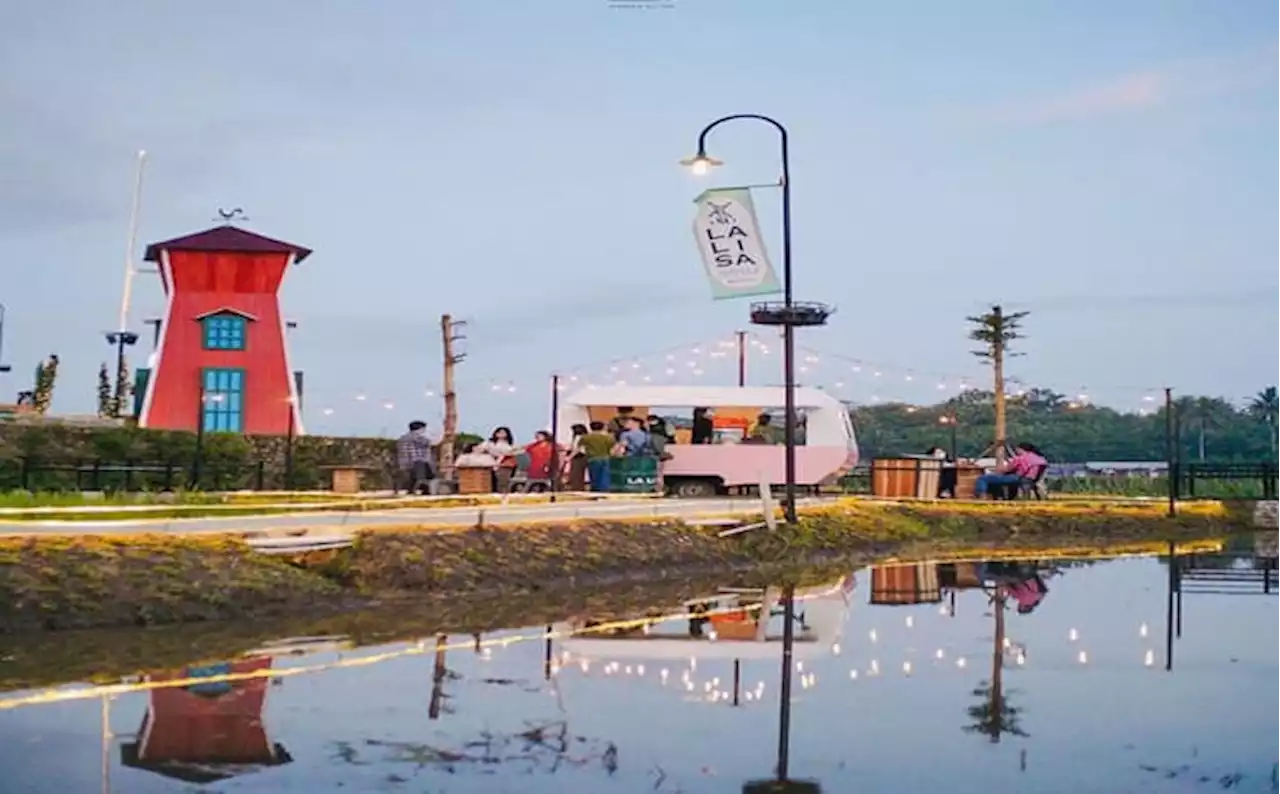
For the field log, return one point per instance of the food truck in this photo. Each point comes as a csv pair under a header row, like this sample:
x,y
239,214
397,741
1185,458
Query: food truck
x,y
829,448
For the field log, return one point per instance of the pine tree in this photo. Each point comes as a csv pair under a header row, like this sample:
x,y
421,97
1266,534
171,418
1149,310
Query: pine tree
x,y
123,391
46,377
104,391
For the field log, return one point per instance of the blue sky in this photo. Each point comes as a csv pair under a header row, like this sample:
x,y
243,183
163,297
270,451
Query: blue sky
x,y
1110,167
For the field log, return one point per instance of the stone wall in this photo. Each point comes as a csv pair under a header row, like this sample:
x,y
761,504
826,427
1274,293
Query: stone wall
x,y
63,456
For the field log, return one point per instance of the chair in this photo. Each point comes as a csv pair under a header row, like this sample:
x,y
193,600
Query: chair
x,y
1033,485
520,481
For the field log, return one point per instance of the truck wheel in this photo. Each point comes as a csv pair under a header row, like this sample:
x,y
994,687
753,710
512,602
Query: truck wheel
x,y
692,489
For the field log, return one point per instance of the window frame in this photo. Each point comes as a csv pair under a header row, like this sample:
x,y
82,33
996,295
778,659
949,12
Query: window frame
x,y
231,406
218,331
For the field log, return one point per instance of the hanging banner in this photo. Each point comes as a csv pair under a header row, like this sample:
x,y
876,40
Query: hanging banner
x,y
728,237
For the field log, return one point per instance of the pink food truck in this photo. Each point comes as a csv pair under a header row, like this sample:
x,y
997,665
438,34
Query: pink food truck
x,y
829,448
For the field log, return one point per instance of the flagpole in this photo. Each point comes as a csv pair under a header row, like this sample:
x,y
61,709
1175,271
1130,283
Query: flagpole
x,y
132,246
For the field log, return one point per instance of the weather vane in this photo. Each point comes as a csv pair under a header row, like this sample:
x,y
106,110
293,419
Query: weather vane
x,y
230,216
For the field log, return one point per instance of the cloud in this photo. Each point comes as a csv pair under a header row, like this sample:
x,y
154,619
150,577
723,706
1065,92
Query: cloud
x,y
1175,82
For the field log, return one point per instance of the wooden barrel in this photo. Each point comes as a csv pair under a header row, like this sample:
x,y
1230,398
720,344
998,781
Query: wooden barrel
x,y
894,478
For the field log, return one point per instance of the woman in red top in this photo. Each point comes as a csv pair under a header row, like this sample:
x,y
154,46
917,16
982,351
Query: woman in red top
x,y
540,453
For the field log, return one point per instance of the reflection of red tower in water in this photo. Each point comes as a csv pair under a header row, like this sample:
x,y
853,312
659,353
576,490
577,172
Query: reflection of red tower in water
x,y
206,732
222,356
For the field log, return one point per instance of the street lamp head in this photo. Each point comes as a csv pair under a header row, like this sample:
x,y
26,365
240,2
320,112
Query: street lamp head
x,y
701,164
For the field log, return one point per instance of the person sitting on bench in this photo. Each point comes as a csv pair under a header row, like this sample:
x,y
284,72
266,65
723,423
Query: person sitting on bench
x,y
1022,467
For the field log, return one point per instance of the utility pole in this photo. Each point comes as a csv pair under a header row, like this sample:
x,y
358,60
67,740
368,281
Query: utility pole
x,y
997,371
1173,475
448,336
995,330
742,358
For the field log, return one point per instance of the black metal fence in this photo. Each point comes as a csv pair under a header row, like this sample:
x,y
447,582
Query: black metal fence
x,y
34,474
1188,480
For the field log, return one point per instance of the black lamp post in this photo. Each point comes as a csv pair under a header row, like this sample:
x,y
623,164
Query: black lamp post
x,y
949,419
120,339
291,434
789,314
3,367
198,459
155,323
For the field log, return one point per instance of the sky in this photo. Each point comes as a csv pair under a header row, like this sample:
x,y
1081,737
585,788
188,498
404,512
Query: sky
x,y
1110,168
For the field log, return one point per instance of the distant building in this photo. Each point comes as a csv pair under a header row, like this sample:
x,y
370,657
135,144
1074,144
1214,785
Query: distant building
x,y
222,360
1122,468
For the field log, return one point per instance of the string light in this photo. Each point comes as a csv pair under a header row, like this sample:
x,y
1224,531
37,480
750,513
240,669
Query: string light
x,y
699,360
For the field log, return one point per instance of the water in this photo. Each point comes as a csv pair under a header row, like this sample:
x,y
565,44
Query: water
x,y
887,697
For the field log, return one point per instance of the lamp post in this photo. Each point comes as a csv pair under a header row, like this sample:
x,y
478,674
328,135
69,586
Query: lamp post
x,y
3,367
291,433
197,461
789,314
120,339
155,323
949,419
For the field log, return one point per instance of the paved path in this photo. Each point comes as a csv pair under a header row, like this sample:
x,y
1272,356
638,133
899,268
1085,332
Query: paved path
x,y
335,523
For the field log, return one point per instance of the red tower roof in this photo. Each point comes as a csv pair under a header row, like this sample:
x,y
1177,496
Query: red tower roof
x,y
227,238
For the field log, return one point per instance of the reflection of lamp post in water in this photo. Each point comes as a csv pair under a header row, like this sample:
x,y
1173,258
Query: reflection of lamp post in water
x,y
782,784
438,675
994,716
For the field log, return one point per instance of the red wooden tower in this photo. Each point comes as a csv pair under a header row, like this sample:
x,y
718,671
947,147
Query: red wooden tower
x,y
222,360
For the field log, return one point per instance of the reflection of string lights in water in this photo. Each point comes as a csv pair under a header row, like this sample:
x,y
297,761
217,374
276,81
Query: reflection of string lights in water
x,y
421,647
567,662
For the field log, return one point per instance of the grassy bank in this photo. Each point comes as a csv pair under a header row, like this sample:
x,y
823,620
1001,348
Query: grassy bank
x,y
49,583
107,656
242,505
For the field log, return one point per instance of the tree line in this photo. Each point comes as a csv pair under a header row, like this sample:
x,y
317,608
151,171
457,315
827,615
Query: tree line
x,y
978,423
1205,428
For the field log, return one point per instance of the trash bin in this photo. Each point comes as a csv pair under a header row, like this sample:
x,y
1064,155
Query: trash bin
x,y
633,475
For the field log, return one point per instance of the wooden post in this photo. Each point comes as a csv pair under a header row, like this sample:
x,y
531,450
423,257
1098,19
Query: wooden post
x,y
450,430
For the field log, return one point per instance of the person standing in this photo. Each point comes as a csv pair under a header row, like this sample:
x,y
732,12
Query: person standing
x,y
597,447
542,457
635,439
763,431
704,429
619,424
415,457
501,446
577,460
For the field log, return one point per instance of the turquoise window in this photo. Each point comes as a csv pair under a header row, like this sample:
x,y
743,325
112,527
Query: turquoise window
x,y
223,397
224,332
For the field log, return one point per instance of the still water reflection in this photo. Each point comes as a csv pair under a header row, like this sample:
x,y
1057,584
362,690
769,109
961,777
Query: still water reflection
x,y
1123,675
